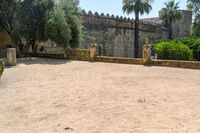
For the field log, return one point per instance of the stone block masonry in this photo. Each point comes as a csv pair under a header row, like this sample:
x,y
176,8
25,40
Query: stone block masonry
x,y
11,57
114,32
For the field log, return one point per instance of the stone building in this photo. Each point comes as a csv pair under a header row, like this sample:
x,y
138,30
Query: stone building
x,y
116,34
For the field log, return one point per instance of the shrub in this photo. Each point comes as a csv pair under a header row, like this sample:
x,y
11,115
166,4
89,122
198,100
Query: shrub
x,y
1,67
172,50
192,43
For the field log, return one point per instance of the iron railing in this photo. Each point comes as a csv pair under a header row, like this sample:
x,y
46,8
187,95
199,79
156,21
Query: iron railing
x,y
176,55
119,52
3,54
196,55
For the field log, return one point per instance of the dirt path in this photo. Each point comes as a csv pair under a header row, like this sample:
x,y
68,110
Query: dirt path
x,y
57,96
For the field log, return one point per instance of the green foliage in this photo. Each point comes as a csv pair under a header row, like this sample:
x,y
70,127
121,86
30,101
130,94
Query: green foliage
x,y
33,16
194,5
9,21
170,13
8,18
192,43
64,24
172,50
72,11
40,20
196,27
1,68
137,7
8,11
58,30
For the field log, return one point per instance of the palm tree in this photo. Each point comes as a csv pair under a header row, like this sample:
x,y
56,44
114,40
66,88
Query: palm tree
x,y
138,7
170,14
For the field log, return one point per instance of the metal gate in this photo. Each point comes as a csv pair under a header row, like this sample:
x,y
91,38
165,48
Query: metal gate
x,y
3,54
118,52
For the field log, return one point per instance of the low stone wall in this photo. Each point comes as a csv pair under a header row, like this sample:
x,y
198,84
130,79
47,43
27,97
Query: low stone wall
x,y
119,60
90,55
54,56
174,63
78,54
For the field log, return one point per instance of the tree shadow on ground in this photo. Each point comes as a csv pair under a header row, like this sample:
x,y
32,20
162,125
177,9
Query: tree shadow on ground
x,y
148,65
48,61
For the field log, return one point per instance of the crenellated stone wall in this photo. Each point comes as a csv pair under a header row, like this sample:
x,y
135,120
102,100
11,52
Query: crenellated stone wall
x,y
114,32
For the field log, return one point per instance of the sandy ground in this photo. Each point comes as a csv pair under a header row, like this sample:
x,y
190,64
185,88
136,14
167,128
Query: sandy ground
x,y
58,96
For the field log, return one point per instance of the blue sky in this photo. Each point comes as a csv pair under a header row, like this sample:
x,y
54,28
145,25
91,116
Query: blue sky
x,y
115,7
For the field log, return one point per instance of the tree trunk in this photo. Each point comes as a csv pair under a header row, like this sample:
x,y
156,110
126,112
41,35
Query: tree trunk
x,y
65,53
15,44
34,49
27,46
136,42
170,30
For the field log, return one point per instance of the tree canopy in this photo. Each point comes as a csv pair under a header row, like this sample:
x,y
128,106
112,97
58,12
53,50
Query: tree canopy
x,y
8,10
58,30
137,7
64,24
194,5
170,13
40,20
33,15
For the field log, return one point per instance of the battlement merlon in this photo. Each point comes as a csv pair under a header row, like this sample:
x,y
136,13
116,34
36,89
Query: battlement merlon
x,y
147,21
117,18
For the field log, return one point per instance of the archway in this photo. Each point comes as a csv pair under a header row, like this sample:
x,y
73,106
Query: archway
x,y
119,46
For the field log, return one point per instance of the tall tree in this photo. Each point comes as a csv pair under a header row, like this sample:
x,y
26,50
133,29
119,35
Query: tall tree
x,y
33,18
57,29
138,7
8,10
170,14
72,11
64,24
9,20
194,5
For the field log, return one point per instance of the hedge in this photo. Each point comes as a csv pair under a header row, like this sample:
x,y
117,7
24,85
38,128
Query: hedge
x,y
171,50
191,42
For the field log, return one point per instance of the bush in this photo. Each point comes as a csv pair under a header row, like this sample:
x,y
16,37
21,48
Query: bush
x,y
1,67
192,43
172,50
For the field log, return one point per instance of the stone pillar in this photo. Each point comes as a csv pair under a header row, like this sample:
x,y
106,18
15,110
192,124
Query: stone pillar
x,y
146,58
93,50
11,57
100,50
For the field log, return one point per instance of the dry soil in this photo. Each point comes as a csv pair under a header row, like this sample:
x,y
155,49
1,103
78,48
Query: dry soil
x,y
59,96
